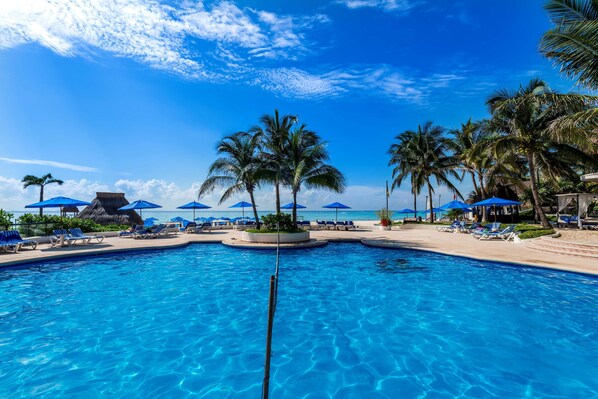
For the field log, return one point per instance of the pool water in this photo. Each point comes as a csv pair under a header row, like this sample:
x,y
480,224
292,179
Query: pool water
x,y
352,322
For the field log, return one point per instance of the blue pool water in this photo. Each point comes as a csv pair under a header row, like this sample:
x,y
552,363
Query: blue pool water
x,y
352,322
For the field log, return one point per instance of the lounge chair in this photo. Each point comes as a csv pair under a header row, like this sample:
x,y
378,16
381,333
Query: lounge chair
x,y
330,225
350,225
505,234
171,228
456,224
13,237
78,233
321,224
471,228
160,230
131,232
66,237
6,245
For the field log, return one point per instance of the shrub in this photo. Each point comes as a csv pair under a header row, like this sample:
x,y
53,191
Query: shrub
x,y
384,215
5,219
283,219
532,231
51,222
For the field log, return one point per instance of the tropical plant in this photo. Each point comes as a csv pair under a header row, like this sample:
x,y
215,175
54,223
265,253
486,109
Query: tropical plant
x,y
305,164
282,221
40,182
428,156
405,164
573,42
523,122
237,169
5,219
275,136
385,216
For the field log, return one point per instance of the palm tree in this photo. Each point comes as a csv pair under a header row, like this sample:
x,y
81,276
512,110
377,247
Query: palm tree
x,y
305,157
40,182
573,42
523,122
403,157
427,155
275,135
238,169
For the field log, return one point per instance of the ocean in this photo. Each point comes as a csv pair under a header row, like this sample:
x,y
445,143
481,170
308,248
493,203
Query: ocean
x,y
164,216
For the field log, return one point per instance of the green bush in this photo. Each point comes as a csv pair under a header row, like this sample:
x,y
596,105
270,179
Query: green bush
x,y
5,219
532,231
51,222
384,215
271,221
535,233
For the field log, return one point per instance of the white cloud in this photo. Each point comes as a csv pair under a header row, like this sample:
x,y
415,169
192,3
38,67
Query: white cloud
x,y
53,164
386,5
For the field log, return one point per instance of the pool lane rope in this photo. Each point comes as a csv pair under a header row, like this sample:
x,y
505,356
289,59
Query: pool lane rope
x,y
272,300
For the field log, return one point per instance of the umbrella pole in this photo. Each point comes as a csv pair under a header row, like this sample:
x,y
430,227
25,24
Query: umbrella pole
x,y
336,217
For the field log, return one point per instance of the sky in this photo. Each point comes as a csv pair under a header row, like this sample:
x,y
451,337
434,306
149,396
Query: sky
x,y
133,95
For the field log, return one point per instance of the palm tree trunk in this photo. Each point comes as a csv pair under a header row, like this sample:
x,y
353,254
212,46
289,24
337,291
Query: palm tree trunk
x,y
415,205
257,219
41,198
431,201
294,209
475,184
485,210
535,194
277,186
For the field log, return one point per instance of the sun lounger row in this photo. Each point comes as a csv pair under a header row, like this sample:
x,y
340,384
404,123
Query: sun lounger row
x,y
339,225
462,227
11,241
505,234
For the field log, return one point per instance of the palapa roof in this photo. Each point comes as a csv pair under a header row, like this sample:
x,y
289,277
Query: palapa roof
x,y
104,210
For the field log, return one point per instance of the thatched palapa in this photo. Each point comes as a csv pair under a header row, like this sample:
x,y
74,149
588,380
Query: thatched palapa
x,y
104,210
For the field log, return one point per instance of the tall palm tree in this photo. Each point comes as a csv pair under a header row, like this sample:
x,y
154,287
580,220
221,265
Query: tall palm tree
x,y
523,120
405,162
305,165
275,135
40,182
237,169
573,42
431,150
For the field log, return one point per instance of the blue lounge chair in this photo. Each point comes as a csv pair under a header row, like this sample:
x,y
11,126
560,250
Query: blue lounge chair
x,y
67,237
78,233
505,234
6,245
450,229
321,224
330,225
13,236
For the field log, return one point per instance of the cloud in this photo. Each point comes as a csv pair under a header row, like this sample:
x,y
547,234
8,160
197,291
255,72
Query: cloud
x,y
53,164
386,5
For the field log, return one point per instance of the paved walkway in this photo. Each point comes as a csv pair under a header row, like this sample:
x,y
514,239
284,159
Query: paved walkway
x,y
414,237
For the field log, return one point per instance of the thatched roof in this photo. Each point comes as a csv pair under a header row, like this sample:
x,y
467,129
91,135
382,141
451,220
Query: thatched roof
x,y
104,210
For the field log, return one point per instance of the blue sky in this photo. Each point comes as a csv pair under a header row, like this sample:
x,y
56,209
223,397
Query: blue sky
x,y
133,94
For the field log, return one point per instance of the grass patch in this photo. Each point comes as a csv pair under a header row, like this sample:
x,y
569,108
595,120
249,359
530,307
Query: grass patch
x,y
271,231
532,231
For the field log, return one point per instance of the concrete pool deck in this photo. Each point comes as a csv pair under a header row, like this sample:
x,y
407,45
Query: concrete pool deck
x,y
419,237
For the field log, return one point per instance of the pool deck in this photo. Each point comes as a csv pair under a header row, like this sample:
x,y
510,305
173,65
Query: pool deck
x,y
420,237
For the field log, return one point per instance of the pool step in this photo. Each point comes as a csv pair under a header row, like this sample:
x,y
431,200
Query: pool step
x,y
554,245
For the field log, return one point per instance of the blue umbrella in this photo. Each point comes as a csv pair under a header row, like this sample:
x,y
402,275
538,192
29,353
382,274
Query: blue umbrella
x,y
178,219
434,210
495,201
337,206
242,205
140,205
149,221
455,205
407,210
290,206
194,205
58,202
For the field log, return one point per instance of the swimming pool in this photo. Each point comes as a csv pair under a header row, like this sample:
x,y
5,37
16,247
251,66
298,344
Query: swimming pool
x,y
352,322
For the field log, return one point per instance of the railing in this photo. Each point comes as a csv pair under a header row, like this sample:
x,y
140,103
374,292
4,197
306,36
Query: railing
x,y
33,229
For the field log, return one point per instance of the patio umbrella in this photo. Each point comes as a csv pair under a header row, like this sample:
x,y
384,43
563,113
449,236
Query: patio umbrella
x,y
458,205
139,205
494,202
58,202
407,210
149,221
194,205
337,206
242,205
